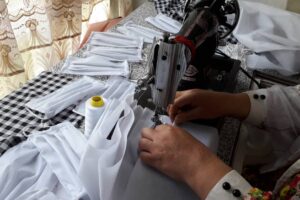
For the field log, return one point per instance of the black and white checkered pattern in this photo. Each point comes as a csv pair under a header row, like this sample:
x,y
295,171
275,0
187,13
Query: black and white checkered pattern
x,y
175,10
16,121
171,8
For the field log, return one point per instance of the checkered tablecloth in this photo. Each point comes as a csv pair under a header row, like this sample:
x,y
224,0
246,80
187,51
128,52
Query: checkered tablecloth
x,y
16,121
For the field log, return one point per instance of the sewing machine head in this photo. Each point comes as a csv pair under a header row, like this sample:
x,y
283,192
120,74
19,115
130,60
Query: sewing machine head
x,y
194,44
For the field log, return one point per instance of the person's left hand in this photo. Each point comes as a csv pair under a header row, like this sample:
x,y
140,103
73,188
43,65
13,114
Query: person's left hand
x,y
180,156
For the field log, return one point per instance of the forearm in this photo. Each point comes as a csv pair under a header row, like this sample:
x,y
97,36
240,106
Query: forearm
x,y
234,105
206,178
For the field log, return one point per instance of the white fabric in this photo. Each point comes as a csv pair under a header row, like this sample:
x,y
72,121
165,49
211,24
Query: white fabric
x,y
131,54
45,166
115,46
134,30
102,159
165,23
236,181
271,32
258,108
146,183
53,103
109,39
95,65
282,122
117,88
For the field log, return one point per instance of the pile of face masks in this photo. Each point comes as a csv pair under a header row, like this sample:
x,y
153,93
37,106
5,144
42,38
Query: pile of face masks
x,y
115,46
95,65
107,54
134,30
165,23
48,106
116,88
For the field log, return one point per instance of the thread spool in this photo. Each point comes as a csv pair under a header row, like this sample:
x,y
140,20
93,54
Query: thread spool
x,y
94,107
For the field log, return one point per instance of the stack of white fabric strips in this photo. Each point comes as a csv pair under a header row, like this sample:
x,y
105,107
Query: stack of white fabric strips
x,y
134,30
107,54
165,23
95,65
115,46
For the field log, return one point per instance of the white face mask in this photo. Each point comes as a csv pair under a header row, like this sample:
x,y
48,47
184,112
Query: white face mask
x,y
62,146
132,54
55,102
94,65
117,40
118,88
165,23
44,166
134,30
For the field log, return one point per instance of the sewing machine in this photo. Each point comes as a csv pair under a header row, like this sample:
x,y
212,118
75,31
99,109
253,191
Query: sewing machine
x,y
188,60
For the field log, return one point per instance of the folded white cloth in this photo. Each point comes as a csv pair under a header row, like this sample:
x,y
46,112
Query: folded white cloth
x,y
134,30
45,166
272,33
109,39
165,23
117,88
102,159
95,65
51,104
131,54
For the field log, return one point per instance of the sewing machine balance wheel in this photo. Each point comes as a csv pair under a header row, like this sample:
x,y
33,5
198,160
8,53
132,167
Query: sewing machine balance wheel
x,y
226,11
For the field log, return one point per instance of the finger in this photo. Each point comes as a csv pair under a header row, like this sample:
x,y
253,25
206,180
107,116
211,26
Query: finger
x,y
163,127
183,100
148,133
145,145
187,116
173,112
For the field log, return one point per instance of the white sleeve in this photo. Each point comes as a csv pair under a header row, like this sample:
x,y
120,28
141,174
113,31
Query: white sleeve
x,y
258,109
236,181
275,108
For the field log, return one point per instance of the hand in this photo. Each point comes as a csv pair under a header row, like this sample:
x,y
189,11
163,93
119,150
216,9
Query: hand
x,y
203,104
177,154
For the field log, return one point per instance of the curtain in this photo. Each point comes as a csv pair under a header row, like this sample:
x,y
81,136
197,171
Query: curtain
x,y
36,34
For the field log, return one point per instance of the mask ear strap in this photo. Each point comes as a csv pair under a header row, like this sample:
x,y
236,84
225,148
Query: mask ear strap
x,y
34,114
28,130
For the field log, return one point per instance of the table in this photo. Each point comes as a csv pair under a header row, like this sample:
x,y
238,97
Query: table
x,y
15,121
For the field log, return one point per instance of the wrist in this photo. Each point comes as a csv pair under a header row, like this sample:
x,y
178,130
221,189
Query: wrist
x,y
206,175
237,105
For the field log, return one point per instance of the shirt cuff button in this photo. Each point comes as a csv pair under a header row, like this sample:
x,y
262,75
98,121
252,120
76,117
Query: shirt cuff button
x,y
262,97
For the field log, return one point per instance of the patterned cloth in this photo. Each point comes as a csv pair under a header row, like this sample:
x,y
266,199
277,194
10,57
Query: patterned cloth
x,y
175,10
171,8
290,191
16,121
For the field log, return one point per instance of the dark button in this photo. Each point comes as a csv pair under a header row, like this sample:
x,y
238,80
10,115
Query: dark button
x,y
226,186
255,96
262,97
236,193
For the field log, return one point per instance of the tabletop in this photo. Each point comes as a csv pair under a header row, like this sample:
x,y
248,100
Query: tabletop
x,y
16,122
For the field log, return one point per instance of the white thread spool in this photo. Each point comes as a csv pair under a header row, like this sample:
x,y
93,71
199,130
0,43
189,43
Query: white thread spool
x,y
94,107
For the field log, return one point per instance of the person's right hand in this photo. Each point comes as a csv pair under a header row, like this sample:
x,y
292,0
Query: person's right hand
x,y
204,104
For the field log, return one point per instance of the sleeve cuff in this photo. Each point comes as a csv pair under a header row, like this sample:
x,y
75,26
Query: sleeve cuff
x,y
258,110
236,181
